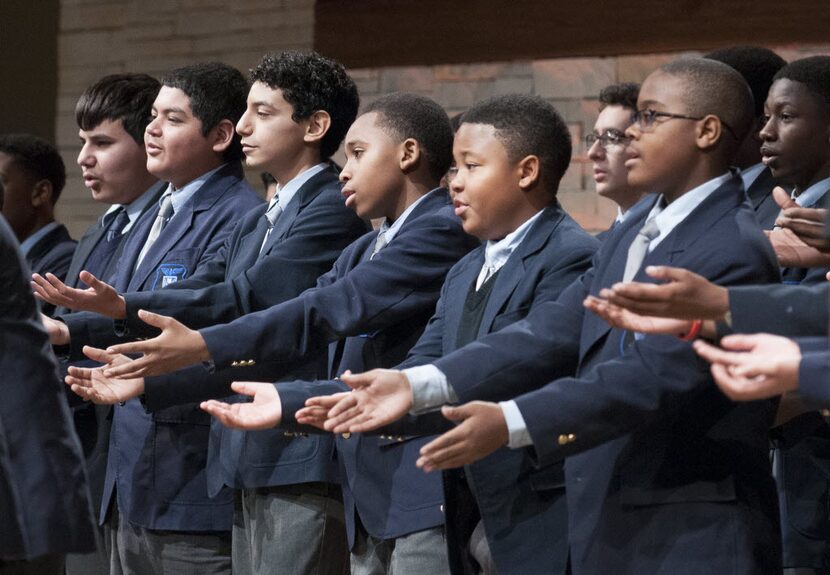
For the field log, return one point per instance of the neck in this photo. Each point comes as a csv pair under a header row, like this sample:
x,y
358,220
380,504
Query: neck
x,y
198,170
38,222
695,178
412,191
284,174
805,182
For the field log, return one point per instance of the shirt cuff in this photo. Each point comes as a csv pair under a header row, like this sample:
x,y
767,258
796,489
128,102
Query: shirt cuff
x,y
517,434
430,389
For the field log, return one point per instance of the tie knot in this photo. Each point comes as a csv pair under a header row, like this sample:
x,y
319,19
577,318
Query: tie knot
x,y
273,212
119,222
650,230
166,206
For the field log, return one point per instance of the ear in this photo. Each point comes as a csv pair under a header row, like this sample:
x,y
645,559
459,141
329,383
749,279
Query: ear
x,y
529,171
410,155
709,132
221,136
42,194
318,126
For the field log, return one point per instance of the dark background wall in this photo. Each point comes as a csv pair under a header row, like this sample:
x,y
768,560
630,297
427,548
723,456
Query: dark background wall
x,y
28,66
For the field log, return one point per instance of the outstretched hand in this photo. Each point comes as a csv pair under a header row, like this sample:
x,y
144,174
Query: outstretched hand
x,y
99,297
751,367
92,385
684,295
481,430
316,410
176,347
621,318
379,397
264,412
57,330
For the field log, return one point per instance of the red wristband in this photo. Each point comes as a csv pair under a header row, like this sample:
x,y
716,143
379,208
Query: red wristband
x,y
693,332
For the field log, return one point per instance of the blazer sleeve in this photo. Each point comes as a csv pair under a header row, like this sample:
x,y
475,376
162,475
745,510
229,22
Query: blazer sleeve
x,y
317,237
789,310
401,281
814,378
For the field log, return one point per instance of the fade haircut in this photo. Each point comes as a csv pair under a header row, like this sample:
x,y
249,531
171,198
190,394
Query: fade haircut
x,y
217,92
38,158
527,125
125,97
757,65
624,95
311,83
712,87
814,73
405,116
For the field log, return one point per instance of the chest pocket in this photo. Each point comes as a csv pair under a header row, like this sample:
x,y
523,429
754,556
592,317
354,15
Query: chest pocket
x,y
176,266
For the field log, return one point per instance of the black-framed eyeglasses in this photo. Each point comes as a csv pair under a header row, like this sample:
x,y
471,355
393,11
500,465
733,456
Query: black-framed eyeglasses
x,y
608,139
645,119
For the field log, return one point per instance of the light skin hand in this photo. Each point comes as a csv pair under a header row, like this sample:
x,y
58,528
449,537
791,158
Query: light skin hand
x,y
264,412
379,397
793,252
481,430
316,409
100,297
57,330
92,385
176,347
751,367
684,295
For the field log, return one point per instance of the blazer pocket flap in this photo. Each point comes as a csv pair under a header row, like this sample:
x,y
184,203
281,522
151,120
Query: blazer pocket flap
x,y
186,413
640,495
548,478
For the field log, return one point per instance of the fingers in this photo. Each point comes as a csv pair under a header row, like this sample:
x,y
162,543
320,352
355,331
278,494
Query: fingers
x,y
741,342
782,198
444,452
248,388
100,355
140,367
326,401
92,281
155,320
342,405
714,354
358,380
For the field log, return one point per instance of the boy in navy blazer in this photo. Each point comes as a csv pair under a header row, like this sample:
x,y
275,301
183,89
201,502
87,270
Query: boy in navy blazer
x,y
155,493
32,176
650,441
367,311
510,153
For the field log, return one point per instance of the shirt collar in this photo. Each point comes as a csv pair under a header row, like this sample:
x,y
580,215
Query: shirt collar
x,y
289,190
30,242
813,194
751,174
497,252
392,230
667,218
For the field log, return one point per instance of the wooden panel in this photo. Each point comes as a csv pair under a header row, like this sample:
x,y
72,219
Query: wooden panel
x,y
374,33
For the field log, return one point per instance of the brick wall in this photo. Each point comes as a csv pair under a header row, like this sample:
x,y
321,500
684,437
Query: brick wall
x,y
99,37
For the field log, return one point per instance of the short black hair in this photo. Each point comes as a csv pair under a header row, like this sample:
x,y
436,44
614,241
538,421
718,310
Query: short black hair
x,y
714,88
527,125
757,65
36,157
405,116
217,92
814,73
125,97
624,95
310,83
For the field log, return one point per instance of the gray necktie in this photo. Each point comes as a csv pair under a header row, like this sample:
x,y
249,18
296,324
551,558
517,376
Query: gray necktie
x,y
639,248
487,270
164,215
272,214
380,242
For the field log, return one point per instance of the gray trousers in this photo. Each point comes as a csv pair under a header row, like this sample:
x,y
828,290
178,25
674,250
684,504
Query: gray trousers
x,y
291,529
95,563
419,553
135,550
45,565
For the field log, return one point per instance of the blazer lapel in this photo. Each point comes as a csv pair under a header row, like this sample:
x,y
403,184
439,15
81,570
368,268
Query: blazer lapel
x,y
170,235
457,296
85,247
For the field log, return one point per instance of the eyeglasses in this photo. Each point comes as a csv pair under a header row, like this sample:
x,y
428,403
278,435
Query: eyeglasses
x,y
608,139
645,119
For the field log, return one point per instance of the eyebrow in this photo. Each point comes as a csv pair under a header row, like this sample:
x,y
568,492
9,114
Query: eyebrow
x,y
353,143
262,103
171,111
649,103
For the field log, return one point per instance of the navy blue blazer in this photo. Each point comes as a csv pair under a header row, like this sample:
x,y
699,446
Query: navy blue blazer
x,y
156,463
516,501
307,238
371,312
807,276
813,380
760,196
52,253
791,310
663,473
44,502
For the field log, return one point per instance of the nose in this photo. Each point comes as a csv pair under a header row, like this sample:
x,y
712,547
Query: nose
x,y
767,132
154,127
456,181
633,131
596,151
345,173
85,159
243,126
